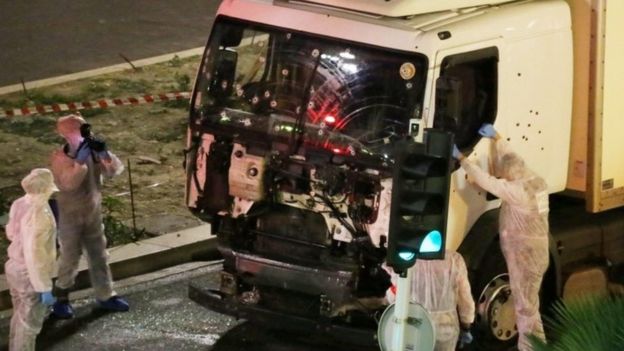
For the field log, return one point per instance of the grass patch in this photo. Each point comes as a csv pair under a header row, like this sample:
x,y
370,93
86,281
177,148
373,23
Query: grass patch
x,y
115,231
4,242
183,82
181,104
94,112
4,245
97,87
41,128
140,86
166,135
37,97
4,204
175,61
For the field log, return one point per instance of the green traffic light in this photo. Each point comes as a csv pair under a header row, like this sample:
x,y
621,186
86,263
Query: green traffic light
x,y
406,255
432,242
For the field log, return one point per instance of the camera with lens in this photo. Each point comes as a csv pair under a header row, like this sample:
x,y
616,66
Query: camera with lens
x,y
95,144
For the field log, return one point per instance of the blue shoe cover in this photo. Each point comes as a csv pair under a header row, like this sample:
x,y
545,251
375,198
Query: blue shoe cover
x,y
62,310
115,303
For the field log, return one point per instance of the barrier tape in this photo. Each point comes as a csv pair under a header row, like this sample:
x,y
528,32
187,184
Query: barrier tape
x,y
103,103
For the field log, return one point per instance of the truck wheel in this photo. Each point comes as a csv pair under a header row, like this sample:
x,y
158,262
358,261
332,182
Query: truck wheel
x,y
495,322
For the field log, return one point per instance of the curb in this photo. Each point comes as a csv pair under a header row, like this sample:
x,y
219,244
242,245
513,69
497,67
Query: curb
x,y
145,256
102,103
99,71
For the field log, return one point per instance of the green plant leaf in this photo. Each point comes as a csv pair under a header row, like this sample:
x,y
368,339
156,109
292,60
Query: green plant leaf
x,y
593,323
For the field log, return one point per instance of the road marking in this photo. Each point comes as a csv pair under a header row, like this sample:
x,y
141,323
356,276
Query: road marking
x,y
102,70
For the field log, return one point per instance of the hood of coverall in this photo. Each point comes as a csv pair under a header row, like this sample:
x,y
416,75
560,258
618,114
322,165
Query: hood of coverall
x,y
39,181
69,126
513,167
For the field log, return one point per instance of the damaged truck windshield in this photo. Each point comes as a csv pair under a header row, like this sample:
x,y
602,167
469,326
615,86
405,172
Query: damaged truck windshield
x,y
268,84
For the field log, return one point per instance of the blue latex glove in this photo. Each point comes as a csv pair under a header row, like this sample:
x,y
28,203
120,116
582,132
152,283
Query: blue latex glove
x,y
83,154
487,130
47,298
465,338
456,152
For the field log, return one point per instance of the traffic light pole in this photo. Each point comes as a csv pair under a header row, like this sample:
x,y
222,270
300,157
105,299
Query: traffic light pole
x,y
401,306
417,226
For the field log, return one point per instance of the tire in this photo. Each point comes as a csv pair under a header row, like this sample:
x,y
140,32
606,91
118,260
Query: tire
x,y
495,327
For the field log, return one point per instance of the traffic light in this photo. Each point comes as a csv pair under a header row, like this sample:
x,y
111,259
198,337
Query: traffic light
x,y
420,191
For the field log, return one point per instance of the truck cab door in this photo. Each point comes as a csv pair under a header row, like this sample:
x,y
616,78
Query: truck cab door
x,y
464,96
466,90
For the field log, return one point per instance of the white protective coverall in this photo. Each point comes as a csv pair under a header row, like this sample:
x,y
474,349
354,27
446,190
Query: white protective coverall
x,y
32,256
443,288
80,211
523,228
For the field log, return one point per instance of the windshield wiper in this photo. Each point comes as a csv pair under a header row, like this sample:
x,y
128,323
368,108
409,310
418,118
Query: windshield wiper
x,y
299,130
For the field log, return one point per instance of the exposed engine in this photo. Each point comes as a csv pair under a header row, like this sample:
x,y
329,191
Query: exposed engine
x,y
311,223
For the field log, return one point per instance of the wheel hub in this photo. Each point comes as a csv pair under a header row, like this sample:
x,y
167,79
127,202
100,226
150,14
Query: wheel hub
x,y
496,308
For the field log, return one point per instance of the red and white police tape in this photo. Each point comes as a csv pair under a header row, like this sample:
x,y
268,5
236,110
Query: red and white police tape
x,y
103,103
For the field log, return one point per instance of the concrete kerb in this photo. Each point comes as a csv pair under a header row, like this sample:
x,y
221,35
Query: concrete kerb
x,y
99,71
145,256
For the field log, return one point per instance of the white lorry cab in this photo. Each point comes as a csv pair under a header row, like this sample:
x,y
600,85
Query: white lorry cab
x,y
294,117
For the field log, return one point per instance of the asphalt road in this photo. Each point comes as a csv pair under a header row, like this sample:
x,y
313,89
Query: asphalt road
x,y
162,317
41,38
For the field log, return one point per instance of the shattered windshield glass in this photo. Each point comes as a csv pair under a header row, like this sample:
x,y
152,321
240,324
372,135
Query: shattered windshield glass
x,y
347,98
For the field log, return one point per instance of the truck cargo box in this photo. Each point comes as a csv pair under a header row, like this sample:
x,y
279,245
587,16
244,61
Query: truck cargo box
x,y
596,165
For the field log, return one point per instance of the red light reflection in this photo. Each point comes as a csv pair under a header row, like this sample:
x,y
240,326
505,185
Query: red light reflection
x,y
329,119
327,112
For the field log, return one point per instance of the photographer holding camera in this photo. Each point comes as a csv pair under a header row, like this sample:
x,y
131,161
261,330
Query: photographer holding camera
x,y
90,145
78,169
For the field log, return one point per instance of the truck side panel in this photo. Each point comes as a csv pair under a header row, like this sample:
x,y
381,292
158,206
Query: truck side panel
x,y
609,186
596,168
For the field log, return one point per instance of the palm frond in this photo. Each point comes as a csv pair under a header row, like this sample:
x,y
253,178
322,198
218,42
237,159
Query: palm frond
x,y
593,323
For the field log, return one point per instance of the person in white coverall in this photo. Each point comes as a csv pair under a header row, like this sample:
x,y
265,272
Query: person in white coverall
x,y
443,289
31,229
523,229
78,169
